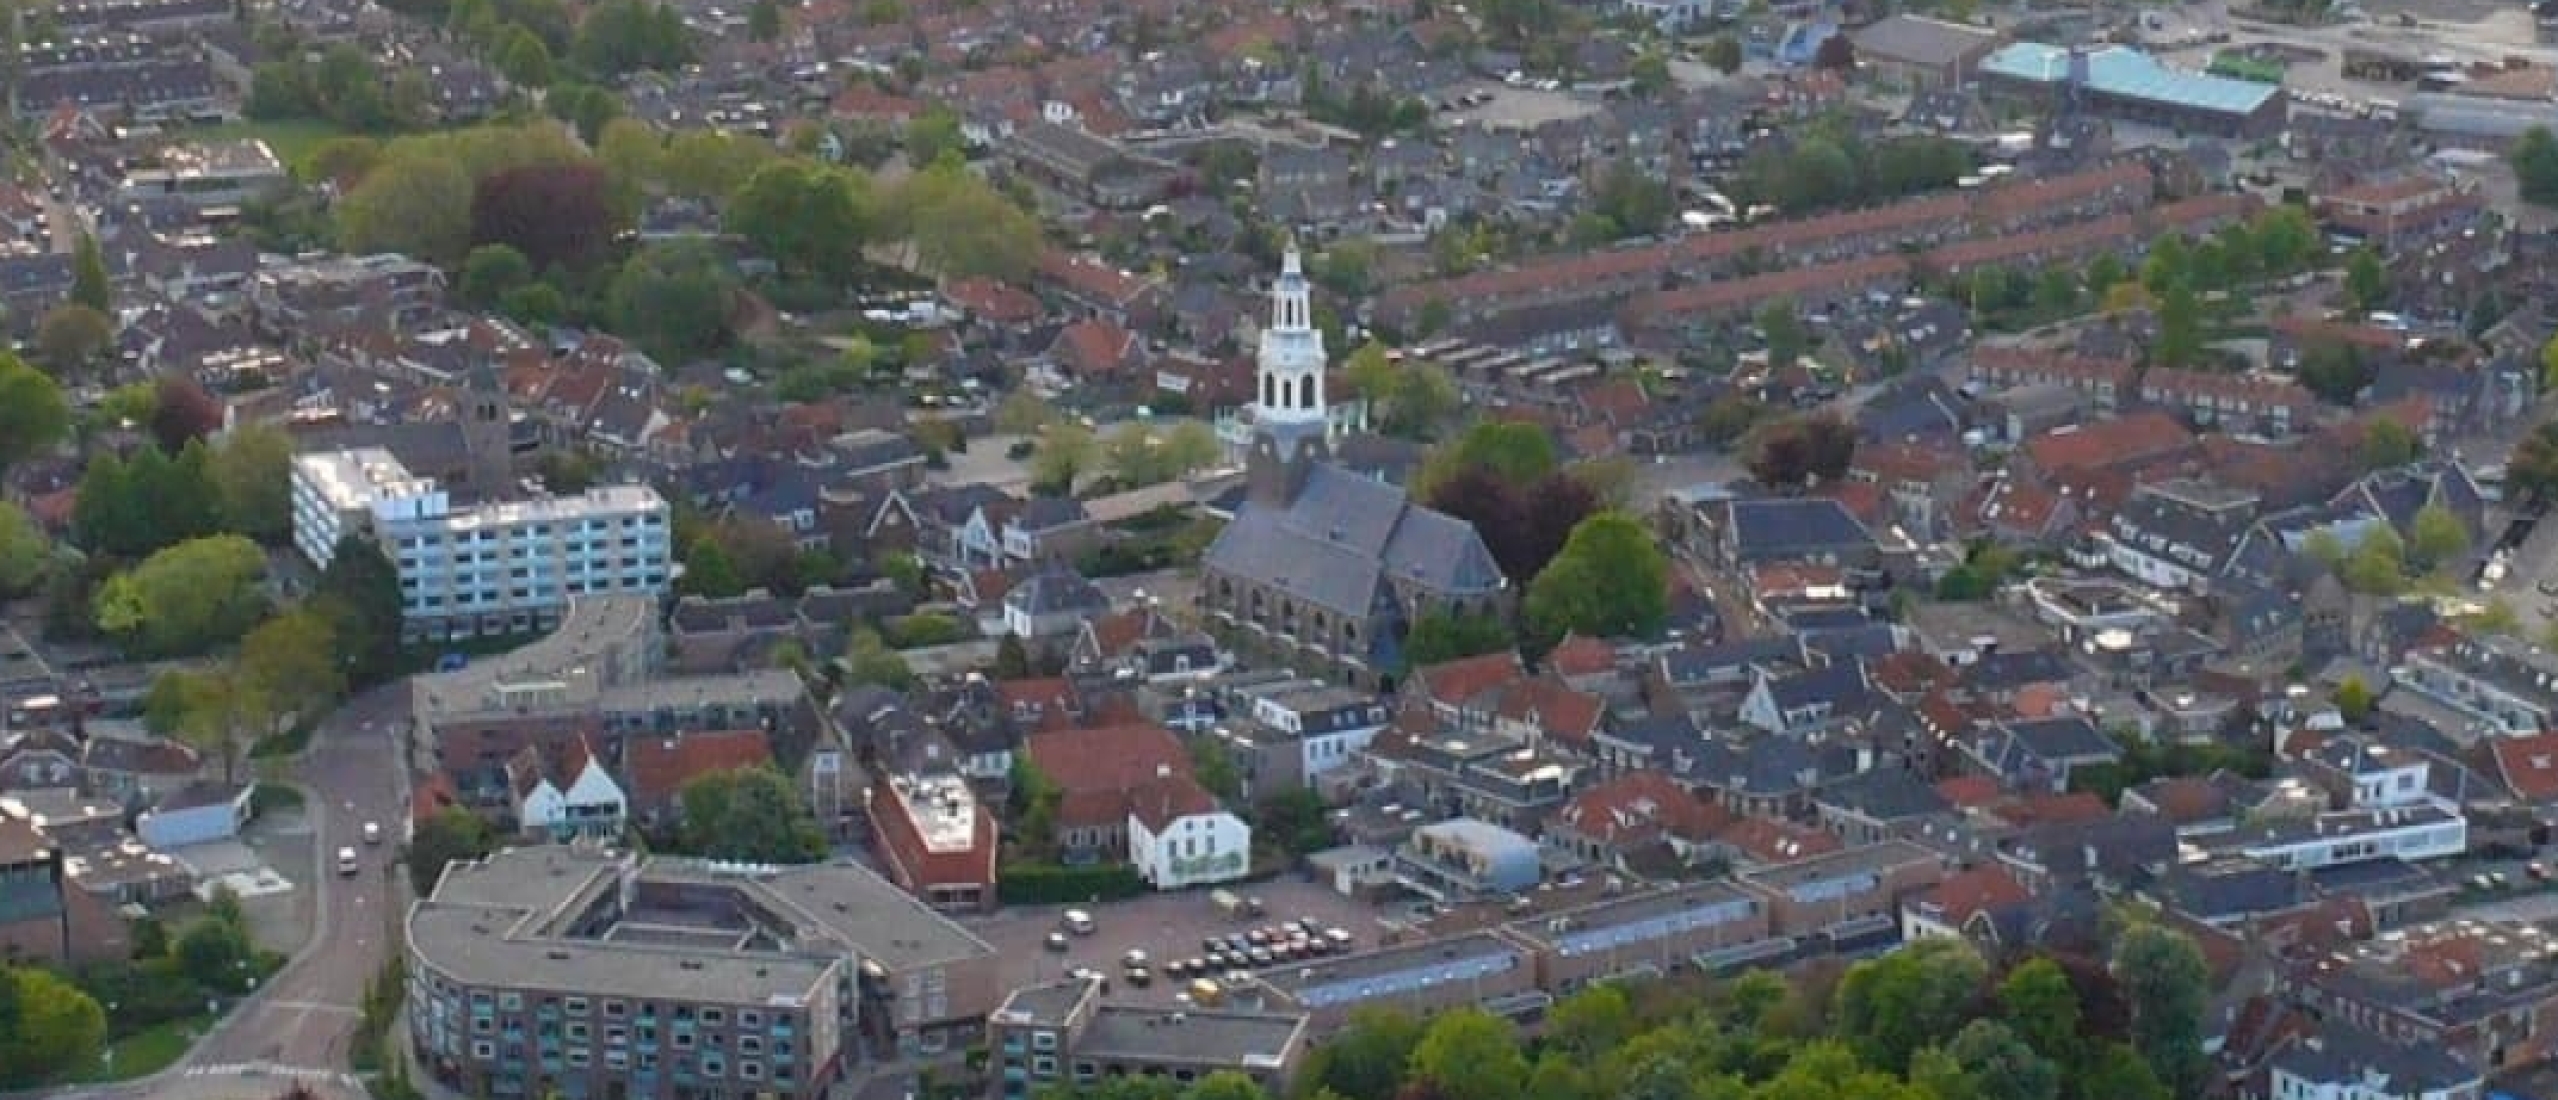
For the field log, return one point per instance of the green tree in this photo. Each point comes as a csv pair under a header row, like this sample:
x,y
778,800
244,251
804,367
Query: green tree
x,y
811,219
417,204
2534,157
2387,444
1724,54
1609,581
710,164
1781,326
26,554
1519,453
1367,1058
1439,635
962,228
187,598
51,1027
2180,327
2335,371
674,300
211,711
2118,1073
216,954
751,814
2378,565
868,660
1987,1061
2531,471
622,36
2038,1002
1067,451
252,475
524,60
359,591
72,337
630,150
1470,1054
1593,1021
1889,1008
1225,1084
1213,765
2353,699
933,135
2435,538
89,284
293,667
33,415
452,835
764,20
490,271
2366,281
2167,985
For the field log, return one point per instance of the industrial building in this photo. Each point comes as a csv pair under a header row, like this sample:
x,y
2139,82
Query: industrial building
x,y
2123,83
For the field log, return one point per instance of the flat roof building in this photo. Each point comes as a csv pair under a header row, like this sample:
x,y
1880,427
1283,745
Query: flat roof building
x,y
2125,83
1484,969
595,973
1048,1035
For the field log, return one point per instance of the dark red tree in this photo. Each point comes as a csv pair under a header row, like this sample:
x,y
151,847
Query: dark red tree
x,y
1835,53
1552,508
556,214
1797,452
182,411
1479,496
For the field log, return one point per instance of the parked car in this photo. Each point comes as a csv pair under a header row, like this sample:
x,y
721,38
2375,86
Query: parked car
x,y
1079,922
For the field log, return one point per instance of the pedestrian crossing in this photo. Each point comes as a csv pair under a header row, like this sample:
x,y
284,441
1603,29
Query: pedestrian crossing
x,y
273,1069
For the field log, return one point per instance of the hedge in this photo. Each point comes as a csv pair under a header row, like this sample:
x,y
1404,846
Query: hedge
x,y
1050,884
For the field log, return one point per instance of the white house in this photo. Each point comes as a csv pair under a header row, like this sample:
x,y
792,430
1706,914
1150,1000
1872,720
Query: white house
x,y
2354,836
1178,836
1331,724
198,813
592,804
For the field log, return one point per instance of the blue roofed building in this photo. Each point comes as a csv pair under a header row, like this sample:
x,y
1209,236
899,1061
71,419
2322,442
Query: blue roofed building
x,y
2123,83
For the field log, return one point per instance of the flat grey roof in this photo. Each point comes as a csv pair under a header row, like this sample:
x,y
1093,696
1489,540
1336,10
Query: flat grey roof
x,y
1254,1040
1870,859
1650,912
1387,961
496,922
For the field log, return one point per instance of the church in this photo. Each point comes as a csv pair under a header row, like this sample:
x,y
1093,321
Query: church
x,y
1322,568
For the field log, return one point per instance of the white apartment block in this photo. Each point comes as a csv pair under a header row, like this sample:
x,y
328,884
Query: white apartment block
x,y
469,569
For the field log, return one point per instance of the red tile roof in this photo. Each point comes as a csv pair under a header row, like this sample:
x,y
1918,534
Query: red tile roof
x,y
1555,709
1458,682
1970,792
2122,441
1580,656
1760,840
1637,807
2052,809
1966,894
662,764
2528,765
1163,800
1095,769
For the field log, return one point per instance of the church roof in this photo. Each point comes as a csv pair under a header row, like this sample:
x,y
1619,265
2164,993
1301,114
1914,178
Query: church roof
x,y
1342,535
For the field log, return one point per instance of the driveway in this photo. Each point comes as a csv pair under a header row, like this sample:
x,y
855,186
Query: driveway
x,y
1164,926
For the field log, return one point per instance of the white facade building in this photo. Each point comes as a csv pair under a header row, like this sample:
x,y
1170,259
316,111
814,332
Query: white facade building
x,y
593,805
2356,836
492,568
1181,845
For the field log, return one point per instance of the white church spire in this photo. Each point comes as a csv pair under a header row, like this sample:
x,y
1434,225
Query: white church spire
x,y
1292,360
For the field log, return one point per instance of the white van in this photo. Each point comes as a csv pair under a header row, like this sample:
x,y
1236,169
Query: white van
x,y
346,861
1079,922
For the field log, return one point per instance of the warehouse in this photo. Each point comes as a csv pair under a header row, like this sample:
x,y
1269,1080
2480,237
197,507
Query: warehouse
x,y
2123,83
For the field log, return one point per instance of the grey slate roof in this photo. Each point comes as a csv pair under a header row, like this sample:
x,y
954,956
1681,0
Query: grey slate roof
x,y
1343,536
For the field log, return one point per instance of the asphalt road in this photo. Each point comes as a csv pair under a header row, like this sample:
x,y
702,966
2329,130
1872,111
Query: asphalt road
x,y
298,1028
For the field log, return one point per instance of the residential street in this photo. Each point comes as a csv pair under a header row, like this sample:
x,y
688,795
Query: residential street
x,y
299,1026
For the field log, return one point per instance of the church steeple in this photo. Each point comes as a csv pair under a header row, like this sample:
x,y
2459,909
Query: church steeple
x,y
1290,417
1292,355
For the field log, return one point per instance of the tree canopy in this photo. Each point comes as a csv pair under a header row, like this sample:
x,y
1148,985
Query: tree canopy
x,y
751,814
1610,580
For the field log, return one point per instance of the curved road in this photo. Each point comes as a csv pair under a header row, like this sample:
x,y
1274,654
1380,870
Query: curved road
x,y
300,1024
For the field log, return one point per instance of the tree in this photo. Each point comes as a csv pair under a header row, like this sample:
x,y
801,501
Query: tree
x,y
2335,371
1470,1054
585,107
2532,470
630,150
557,215
418,204
2164,978
215,951
252,475
1516,452
811,219
2037,1002
2378,565
710,164
359,591
933,135
764,20
1611,580
2387,444
1781,326
1724,54
1992,1063
1889,1008
187,598
490,271
1439,635
292,668
26,555
1593,1021
2366,281
674,300
452,835
2435,537
962,228
2534,157
183,412
2118,1073
868,660
1802,451
89,285
751,814
1022,412
623,36
2180,327
1367,1058
2353,699
524,60
1067,451
33,416
1213,765
51,1027
1836,54
72,336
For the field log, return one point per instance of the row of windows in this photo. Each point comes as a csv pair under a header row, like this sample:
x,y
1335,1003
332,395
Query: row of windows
x,y
538,530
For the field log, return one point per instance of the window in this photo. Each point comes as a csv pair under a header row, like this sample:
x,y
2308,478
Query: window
x,y
749,1018
1044,1065
683,1040
712,1017
577,1032
483,1025
511,1002
750,1071
577,1056
713,1065
616,1036
748,1044
484,1050
1043,1040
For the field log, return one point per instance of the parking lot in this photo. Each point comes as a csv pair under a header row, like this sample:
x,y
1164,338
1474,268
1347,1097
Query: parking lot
x,y
1165,927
